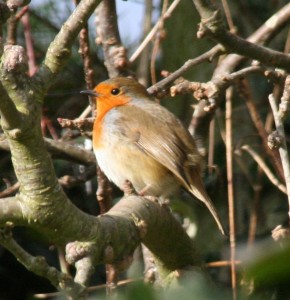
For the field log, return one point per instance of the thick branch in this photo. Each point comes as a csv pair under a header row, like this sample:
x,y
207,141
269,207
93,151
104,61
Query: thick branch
x,y
10,117
131,221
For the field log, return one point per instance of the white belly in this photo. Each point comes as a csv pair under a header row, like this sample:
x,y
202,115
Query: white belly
x,y
140,169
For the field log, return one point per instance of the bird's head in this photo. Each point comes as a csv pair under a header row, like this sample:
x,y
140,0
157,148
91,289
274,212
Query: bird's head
x,y
115,92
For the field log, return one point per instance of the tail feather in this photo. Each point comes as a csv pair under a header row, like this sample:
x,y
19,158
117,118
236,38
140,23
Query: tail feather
x,y
197,189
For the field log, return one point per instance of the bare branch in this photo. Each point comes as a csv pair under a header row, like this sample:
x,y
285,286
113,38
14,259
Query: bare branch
x,y
10,190
81,124
265,168
202,116
153,31
164,84
246,93
210,89
261,36
284,106
230,188
87,62
212,25
108,35
39,266
29,43
283,148
70,152
63,150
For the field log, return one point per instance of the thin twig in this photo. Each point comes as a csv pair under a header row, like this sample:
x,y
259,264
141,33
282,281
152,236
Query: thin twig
x,y
211,89
89,289
228,15
157,41
254,214
87,62
142,69
211,147
211,25
265,168
261,36
38,265
283,148
164,84
86,112
229,158
10,190
29,44
246,93
223,263
284,106
287,44
153,31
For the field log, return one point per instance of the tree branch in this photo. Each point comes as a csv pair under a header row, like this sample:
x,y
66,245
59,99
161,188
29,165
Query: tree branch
x,y
283,148
39,266
265,168
12,68
63,150
284,106
162,85
212,25
202,116
262,35
153,31
108,35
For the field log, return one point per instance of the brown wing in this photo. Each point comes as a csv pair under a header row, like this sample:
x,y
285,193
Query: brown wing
x,y
155,133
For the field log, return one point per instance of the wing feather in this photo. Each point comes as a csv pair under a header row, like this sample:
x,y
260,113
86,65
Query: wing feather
x,y
171,144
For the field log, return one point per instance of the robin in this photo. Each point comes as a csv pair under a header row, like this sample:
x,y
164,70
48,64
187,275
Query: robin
x,y
136,139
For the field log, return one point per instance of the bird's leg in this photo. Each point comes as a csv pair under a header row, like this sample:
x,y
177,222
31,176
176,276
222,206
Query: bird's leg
x,y
144,190
128,188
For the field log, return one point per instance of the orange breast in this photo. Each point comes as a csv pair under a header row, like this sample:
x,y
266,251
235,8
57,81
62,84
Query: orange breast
x,y
103,107
97,133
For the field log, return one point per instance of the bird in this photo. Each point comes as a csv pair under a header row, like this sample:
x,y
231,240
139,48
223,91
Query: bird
x,y
138,140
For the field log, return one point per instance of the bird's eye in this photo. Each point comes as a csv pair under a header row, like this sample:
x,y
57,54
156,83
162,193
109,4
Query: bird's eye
x,y
115,91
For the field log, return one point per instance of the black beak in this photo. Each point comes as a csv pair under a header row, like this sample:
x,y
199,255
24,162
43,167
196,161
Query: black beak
x,y
89,93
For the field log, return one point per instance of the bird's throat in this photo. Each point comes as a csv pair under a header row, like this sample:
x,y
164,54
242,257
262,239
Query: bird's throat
x,y
104,105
